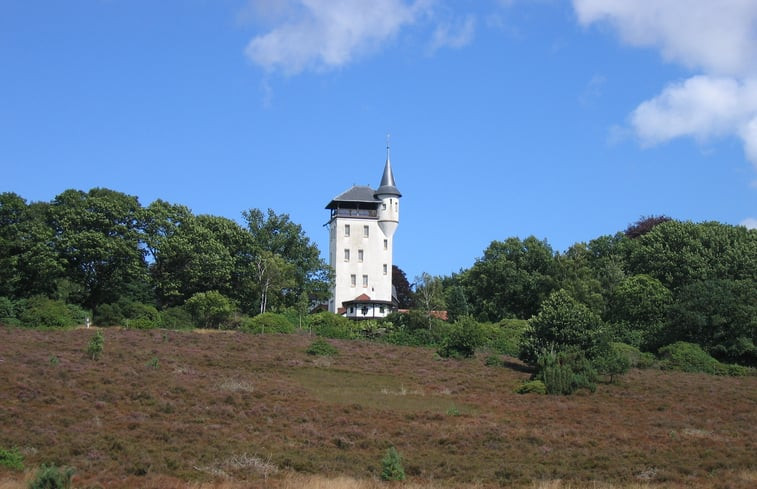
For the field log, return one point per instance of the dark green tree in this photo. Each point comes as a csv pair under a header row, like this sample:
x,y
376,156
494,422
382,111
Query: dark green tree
x,y
638,308
405,296
511,279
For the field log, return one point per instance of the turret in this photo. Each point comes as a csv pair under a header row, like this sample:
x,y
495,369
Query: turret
x,y
389,195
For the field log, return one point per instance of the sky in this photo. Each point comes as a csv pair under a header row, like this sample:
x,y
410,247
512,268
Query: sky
x,y
565,120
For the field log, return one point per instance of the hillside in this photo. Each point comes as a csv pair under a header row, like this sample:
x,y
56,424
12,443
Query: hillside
x,y
170,408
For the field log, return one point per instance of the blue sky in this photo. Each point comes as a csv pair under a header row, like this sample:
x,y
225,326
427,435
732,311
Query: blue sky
x,y
564,120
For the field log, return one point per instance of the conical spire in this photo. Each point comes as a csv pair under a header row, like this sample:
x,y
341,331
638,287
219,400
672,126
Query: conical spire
x,y
387,186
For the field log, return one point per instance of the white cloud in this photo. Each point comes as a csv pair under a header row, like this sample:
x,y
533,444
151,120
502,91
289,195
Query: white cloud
x,y
749,223
455,35
717,37
323,34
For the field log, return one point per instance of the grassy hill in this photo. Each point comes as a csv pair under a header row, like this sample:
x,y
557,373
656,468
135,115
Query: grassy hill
x,y
231,410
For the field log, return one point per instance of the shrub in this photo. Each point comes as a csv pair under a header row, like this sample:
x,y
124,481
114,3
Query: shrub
x,y
52,477
40,311
636,358
108,315
492,361
612,363
175,318
687,357
209,309
7,308
268,322
506,336
321,347
564,372
11,459
531,387
95,345
330,325
462,339
391,466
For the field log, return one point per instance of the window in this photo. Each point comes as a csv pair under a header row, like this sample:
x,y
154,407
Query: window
x,y
360,255
346,254
386,244
365,231
383,206
396,207
385,268
365,280
381,309
353,280
346,229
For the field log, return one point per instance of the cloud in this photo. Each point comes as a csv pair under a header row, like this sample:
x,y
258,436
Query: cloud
x,y
323,34
454,35
749,223
718,38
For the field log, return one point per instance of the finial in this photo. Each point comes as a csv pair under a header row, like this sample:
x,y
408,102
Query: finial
x,y
388,136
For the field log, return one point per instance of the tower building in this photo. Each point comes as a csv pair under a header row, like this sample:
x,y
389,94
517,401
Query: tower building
x,y
361,231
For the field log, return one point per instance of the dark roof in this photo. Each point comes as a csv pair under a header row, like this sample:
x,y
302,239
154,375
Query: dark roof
x,y
358,193
387,186
365,299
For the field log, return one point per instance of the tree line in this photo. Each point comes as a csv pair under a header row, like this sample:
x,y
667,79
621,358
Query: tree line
x,y
658,282
102,251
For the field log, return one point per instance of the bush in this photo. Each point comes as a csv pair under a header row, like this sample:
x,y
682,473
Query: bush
x,y
505,337
566,371
321,347
52,477
11,459
391,466
330,325
40,311
636,358
690,357
462,339
268,322
209,309
531,387
613,363
687,357
95,345
175,318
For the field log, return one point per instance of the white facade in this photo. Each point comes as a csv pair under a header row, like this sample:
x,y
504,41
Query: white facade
x,y
361,231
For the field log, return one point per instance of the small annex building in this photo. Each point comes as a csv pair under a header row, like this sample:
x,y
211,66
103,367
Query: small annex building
x,y
361,229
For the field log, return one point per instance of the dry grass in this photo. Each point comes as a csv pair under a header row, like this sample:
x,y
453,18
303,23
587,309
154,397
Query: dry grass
x,y
227,411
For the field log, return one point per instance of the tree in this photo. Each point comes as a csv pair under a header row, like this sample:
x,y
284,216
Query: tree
x,y
278,235
462,340
720,316
97,236
561,324
402,286
457,303
644,225
273,273
638,307
210,309
428,293
511,279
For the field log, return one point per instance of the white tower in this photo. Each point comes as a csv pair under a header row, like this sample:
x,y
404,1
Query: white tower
x,y
361,231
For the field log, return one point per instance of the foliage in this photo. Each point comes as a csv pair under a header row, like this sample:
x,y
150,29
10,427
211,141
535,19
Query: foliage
x,y
492,361
638,307
330,325
457,303
644,225
565,371
405,296
635,357
720,316
321,347
52,477
209,309
613,363
391,466
687,357
268,322
175,318
511,279
11,459
563,323
462,339
505,337
40,311
428,295
531,387
96,345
